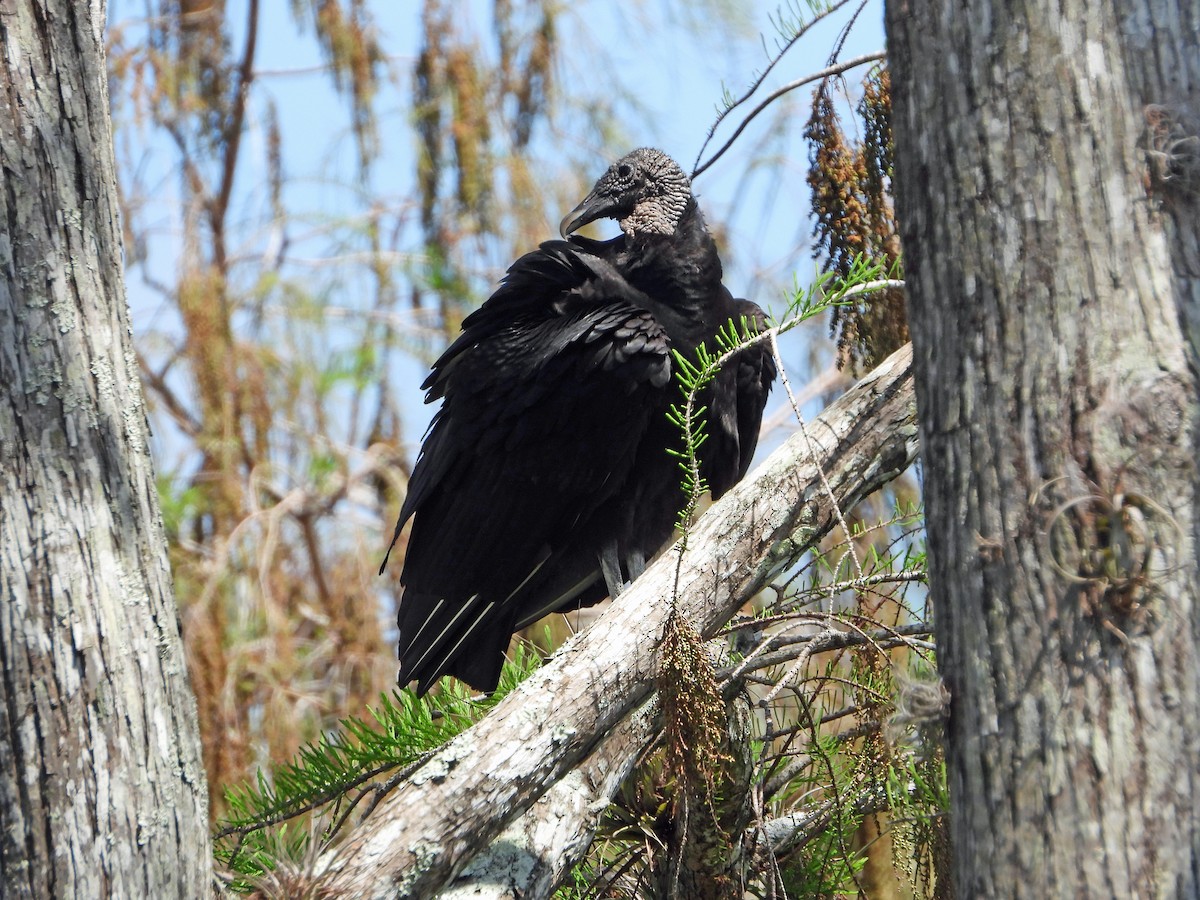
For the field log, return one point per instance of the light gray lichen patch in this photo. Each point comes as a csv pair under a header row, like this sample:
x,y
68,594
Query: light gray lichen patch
x,y
440,767
62,304
105,379
40,380
562,734
134,423
425,856
502,870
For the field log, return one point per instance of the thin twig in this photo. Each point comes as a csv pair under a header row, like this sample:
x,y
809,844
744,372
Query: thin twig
x,y
757,82
837,511
827,72
233,127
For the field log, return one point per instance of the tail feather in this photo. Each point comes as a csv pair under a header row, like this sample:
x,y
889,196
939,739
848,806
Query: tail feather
x,y
442,637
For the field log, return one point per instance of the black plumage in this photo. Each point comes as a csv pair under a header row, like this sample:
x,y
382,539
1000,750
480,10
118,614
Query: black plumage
x,y
544,481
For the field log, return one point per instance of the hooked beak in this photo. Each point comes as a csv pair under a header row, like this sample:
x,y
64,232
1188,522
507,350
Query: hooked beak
x,y
592,208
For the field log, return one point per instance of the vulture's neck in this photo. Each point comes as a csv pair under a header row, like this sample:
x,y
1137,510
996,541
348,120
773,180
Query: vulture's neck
x,y
683,266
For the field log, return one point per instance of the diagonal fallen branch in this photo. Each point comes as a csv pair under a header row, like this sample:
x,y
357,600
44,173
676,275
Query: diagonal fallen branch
x,y
427,830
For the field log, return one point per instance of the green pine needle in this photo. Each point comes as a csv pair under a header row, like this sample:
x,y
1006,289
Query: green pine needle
x,y
327,776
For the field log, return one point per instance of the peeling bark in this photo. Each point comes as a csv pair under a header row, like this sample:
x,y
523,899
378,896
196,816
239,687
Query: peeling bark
x,y
534,854
432,826
101,788
1047,275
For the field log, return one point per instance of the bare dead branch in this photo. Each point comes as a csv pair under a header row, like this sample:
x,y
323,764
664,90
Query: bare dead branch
x,y
760,78
827,72
234,127
432,826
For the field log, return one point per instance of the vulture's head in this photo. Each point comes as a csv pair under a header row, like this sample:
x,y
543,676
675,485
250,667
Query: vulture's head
x,y
645,191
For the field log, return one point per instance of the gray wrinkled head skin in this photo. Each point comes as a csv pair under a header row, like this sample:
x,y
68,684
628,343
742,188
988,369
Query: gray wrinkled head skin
x,y
645,191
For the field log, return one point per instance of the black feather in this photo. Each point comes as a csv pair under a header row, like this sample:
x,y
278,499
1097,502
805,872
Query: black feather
x,y
550,448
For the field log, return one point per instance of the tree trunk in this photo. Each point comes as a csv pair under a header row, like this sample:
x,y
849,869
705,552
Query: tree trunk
x,y
1048,265
101,788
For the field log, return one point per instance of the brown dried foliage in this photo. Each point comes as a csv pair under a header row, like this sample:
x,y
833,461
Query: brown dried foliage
x,y
851,200
693,713
818,721
351,46
474,120
282,636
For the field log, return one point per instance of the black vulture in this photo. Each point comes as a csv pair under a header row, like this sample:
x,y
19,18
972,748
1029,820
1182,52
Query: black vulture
x,y
544,482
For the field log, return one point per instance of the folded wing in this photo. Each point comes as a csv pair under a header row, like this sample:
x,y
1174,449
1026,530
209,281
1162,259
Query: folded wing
x,y
546,397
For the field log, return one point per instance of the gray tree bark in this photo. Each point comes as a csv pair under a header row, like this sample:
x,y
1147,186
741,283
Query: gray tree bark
x,y
1050,255
101,788
578,706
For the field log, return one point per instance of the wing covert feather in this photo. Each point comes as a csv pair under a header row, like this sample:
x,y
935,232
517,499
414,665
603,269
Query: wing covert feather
x,y
500,481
